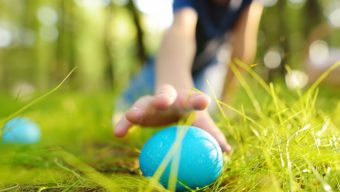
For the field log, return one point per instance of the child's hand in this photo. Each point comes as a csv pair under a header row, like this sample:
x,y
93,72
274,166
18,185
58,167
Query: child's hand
x,y
167,106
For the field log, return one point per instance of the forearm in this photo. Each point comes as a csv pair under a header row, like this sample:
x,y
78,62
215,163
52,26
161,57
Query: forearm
x,y
175,59
177,50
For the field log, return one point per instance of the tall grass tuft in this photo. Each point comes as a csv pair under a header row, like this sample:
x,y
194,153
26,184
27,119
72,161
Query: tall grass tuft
x,y
281,143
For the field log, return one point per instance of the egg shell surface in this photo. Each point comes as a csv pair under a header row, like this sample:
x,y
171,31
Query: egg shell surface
x,y
21,130
200,160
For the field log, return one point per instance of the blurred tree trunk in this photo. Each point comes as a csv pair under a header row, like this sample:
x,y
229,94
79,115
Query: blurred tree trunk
x,y
65,46
17,58
1,61
123,47
313,12
274,29
46,49
90,53
140,34
283,40
1,72
110,65
294,25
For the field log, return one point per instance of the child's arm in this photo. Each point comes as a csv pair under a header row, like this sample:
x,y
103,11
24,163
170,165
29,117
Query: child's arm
x,y
177,51
244,42
174,97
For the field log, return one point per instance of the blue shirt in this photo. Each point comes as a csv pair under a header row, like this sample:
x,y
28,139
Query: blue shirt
x,y
213,20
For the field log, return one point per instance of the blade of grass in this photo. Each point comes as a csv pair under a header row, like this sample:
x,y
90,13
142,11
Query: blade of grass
x,y
289,162
323,77
2,122
247,88
253,74
89,171
325,185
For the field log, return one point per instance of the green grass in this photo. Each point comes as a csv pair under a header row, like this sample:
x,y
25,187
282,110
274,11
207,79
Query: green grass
x,y
283,140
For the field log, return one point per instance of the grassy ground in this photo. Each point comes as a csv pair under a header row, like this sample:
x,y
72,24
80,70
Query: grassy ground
x,y
283,141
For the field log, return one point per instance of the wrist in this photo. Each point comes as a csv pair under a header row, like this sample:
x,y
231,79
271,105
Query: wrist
x,y
179,83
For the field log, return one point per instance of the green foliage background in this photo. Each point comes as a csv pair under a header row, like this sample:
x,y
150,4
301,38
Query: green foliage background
x,y
110,42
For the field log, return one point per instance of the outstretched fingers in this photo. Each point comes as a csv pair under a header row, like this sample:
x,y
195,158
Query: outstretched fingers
x,y
191,100
168,98
135,115
140,109
165,97
165,107
122,127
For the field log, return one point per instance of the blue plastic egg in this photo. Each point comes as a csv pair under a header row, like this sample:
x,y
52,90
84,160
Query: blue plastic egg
x,y
20,130
200,156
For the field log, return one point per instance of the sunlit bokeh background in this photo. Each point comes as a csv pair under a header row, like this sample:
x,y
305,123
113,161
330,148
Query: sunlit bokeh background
x,y
109,40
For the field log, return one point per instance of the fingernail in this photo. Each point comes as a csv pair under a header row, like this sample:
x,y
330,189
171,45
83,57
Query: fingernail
x,y
165,96
162,95
134,109
201,96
